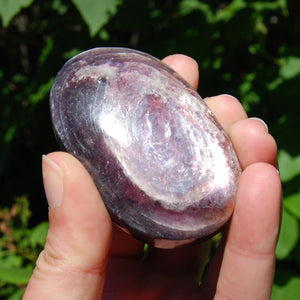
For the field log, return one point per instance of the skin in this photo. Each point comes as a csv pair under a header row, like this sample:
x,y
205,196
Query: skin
x,y
87,257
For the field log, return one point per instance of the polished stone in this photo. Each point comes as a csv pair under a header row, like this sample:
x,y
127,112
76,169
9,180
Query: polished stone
x,y
164,166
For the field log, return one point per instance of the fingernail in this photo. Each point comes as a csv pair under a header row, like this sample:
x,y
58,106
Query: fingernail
x,y
53,177
262,121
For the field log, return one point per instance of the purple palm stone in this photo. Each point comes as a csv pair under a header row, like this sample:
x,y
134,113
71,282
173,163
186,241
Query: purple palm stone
x,y
165,168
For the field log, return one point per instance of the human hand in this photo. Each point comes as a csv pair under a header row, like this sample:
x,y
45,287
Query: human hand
x,y
87,257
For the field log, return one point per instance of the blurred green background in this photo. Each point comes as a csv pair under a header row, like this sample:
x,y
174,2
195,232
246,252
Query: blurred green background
x,y
250,49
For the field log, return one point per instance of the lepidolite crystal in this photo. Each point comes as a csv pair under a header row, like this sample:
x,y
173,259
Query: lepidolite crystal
x,y
165,168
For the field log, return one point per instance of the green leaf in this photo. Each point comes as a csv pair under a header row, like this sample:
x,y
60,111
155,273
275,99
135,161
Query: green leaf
x,y
292,204
15,275
290,67
96,13
59,7
289,234
17,295
46,50
230,10
188,6
68,54
11,261
42,92
9,8
269,5
23,209
290,290
38,234
9,134
289,166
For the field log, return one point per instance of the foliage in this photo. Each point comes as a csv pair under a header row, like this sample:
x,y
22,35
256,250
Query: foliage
x,y
96,12
19,247
9,9
247,48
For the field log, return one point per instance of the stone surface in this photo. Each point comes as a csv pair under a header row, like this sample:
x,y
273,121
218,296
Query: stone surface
x,y
163,165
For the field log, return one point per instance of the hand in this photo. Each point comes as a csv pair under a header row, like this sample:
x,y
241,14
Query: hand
x,y
86,257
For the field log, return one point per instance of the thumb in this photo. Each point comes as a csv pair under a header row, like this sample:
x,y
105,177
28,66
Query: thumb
x,y
73,262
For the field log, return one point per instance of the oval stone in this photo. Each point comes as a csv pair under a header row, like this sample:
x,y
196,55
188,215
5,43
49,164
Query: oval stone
x,y
165,168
